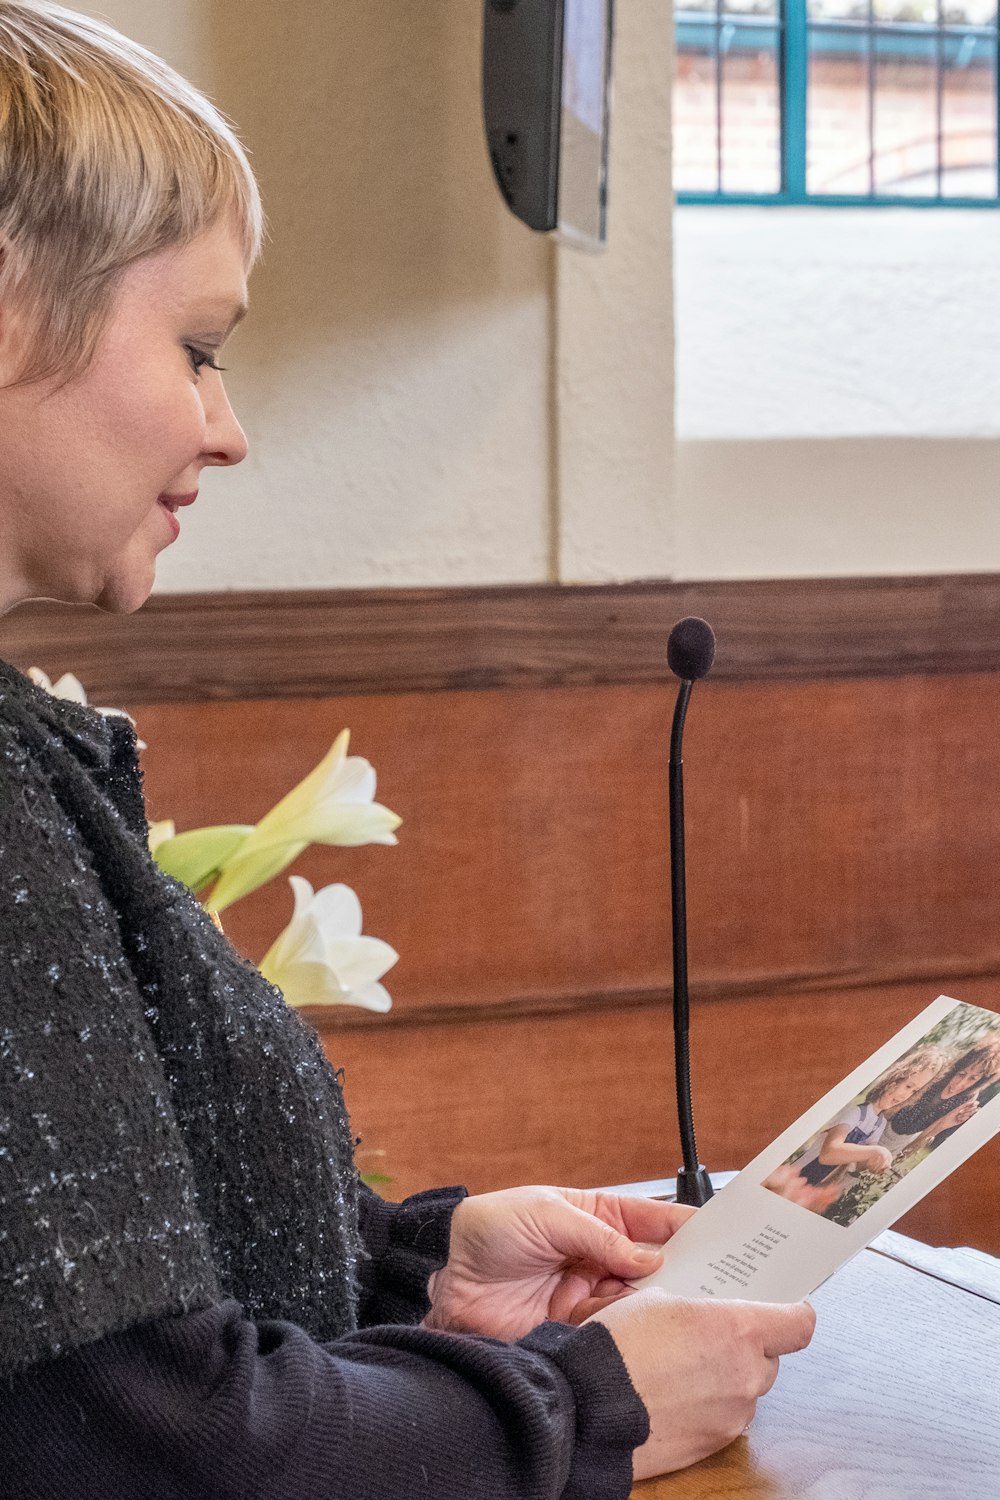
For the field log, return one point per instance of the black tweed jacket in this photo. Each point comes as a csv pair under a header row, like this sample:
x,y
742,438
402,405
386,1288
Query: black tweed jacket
x,y
171,1132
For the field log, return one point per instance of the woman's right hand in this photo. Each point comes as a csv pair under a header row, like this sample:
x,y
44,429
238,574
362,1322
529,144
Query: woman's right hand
x,y
699,1367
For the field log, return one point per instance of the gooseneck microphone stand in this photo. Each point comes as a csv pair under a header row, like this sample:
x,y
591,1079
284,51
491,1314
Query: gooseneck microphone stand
x,y
691,651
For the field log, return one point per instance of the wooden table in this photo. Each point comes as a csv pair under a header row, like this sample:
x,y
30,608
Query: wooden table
x,y
896,1398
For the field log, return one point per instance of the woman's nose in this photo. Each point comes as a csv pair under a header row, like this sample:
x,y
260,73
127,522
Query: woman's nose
x,y
225,440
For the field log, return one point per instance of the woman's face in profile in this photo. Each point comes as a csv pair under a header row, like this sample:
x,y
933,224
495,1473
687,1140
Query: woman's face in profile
x,y
82,469
967,1078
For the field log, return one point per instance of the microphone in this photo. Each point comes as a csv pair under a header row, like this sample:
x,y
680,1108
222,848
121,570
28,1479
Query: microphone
x,y
690,654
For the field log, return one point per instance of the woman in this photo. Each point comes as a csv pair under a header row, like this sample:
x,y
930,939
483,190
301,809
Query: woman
x,y
200,1299
946,1104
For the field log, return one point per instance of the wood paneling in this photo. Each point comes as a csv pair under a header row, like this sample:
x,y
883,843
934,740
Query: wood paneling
x,y
838,832
318,643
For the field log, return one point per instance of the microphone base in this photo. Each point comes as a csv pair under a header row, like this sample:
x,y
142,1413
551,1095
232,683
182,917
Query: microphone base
x,y
694,1186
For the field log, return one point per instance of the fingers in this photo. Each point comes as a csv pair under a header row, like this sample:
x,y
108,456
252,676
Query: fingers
x,y
784,1328
590,1305
570,1290
647,1218
609,1286
581,1237
645,1224
614,1233
769,1375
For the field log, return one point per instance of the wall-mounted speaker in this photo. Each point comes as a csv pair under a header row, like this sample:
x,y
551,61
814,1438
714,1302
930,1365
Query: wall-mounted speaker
x,y
547,112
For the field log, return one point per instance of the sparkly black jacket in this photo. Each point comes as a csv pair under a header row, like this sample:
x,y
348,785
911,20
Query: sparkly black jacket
x,y
197,1296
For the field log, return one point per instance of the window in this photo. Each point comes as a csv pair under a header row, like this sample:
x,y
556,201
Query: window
x,y
836,101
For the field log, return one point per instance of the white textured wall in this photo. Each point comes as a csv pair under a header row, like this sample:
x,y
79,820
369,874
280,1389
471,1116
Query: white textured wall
x,y
400,378
838,380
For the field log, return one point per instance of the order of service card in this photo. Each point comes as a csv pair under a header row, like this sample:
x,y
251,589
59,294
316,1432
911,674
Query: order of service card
x,y
849,1167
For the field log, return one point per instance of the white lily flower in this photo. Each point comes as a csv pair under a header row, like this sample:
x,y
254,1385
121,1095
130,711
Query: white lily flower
x,y
68,686
72,688
321,957
332,805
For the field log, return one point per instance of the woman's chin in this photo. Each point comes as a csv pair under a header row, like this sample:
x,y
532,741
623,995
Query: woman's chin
x,y
124,593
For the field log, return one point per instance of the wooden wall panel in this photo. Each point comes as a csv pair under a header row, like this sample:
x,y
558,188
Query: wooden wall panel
x,y
838,832
841,827
315,643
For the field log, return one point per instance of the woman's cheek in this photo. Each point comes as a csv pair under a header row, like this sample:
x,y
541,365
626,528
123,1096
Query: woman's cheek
x,y
171,432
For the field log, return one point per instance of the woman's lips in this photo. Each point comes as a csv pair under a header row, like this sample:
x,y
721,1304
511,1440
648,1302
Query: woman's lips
x,y
170,503
172,521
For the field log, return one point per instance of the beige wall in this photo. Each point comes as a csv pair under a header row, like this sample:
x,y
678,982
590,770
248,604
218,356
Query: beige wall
x,y
614,375
433,394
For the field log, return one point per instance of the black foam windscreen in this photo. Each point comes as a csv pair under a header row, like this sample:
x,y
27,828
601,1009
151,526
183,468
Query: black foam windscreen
x,y
691,648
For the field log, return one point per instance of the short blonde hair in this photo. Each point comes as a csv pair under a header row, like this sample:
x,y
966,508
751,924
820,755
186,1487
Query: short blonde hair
x,y
106,154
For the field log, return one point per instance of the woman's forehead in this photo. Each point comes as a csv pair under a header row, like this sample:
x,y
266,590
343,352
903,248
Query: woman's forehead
x,y
204,277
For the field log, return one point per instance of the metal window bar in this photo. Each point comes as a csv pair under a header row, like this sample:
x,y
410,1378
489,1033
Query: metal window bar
x,y
871,79
939,100
717,58
794,89
996,94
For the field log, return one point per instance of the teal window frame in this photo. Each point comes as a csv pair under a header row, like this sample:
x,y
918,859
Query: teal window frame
x,y
791,23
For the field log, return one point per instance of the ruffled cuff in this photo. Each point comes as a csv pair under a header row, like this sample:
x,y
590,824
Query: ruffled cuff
x,y
611,1420
405,1243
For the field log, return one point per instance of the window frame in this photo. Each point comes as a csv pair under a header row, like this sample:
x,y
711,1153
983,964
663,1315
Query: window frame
x,y
791,21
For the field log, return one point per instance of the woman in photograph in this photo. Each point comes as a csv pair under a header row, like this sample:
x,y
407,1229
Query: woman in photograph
x,y
950,1101
199,1299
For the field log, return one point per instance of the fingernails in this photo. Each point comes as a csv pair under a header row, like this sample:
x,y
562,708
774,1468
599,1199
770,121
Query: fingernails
x,y
646,1257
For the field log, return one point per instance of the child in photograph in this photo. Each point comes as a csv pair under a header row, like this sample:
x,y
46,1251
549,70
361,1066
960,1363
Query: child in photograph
x,y
852,1138
950,1101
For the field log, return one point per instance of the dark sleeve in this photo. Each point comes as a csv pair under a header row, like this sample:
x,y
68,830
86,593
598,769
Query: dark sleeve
x,y
212,1406
405,1243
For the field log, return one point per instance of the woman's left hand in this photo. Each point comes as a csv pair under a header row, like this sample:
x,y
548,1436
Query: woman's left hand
x,y
958,1116
526,1254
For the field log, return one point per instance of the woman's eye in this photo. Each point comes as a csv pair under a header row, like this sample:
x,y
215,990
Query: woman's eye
x,y
201,359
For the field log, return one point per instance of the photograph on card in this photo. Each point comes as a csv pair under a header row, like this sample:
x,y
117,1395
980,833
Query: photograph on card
x,y
894,1124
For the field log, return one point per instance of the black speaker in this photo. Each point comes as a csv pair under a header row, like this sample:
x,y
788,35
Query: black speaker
x,y
546,109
